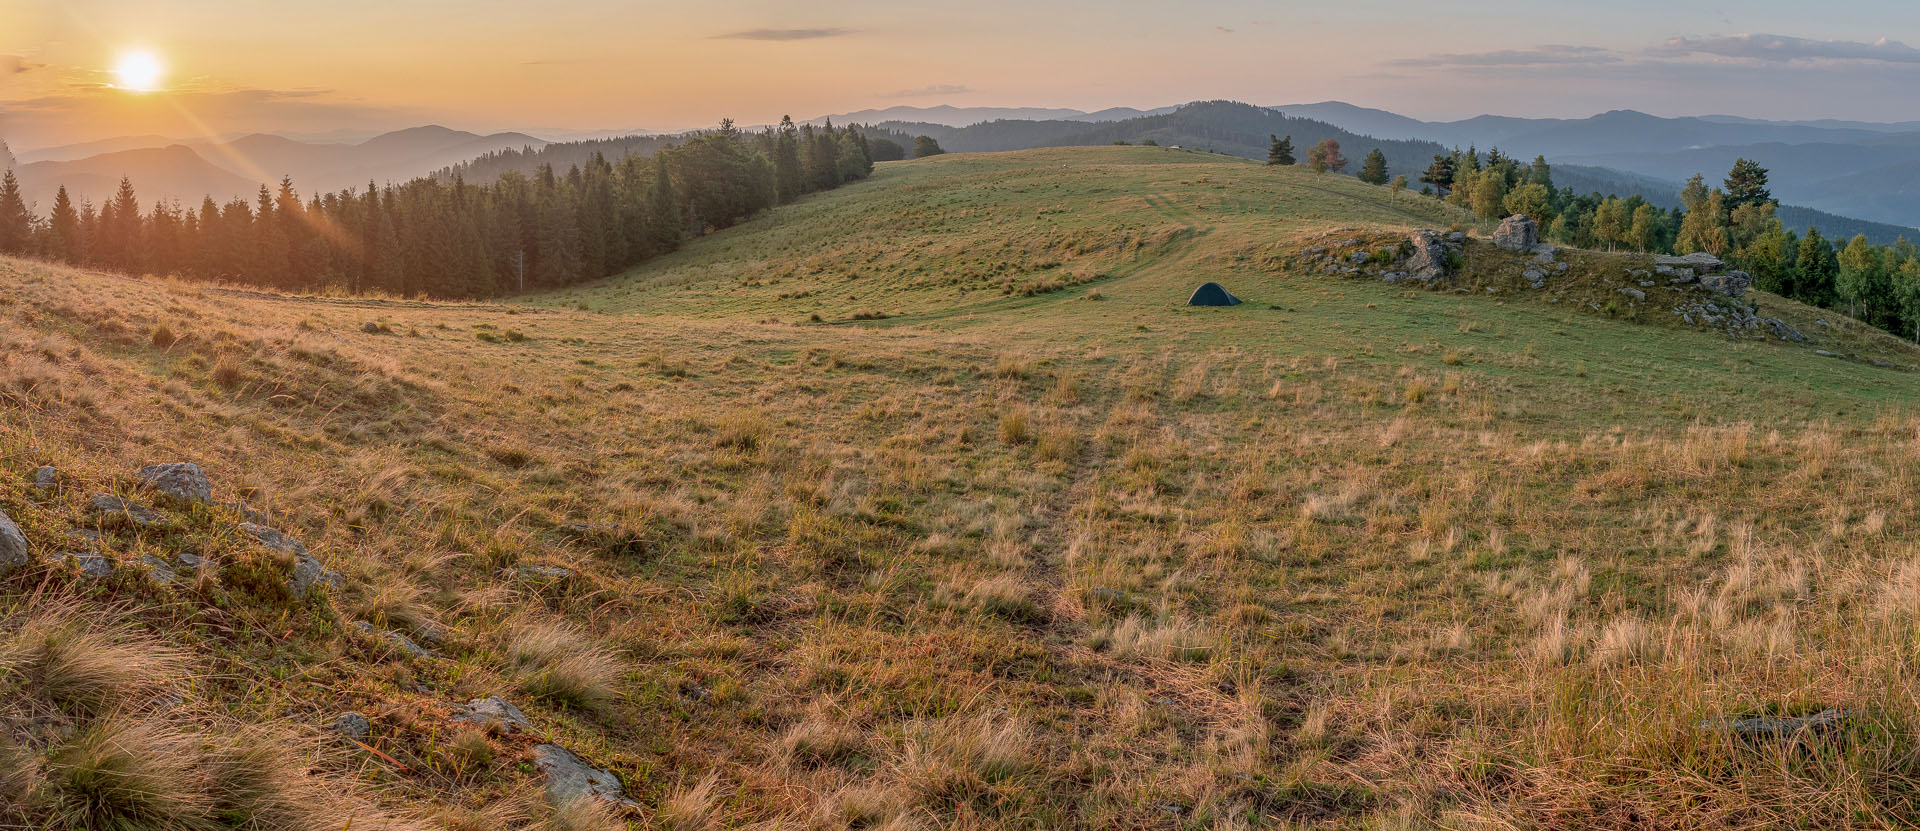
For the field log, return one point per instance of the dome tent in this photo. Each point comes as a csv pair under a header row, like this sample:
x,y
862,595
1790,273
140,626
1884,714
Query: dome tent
x,y
1212,294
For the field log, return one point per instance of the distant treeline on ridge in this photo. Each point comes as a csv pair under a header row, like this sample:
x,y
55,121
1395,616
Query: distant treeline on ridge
x,y
444,236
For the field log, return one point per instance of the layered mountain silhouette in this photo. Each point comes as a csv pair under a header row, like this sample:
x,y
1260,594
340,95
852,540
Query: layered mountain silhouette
x,y
163,169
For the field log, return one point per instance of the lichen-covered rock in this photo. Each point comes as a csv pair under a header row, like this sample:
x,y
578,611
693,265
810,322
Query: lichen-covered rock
x,y
570,778
14,554
1517,233
181,480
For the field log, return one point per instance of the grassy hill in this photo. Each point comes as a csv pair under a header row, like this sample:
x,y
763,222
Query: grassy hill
x,y
1040,548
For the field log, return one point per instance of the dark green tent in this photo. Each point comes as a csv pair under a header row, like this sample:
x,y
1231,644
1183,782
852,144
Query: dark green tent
x,y
1212,294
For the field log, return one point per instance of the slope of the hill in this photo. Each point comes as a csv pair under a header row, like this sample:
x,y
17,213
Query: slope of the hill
x,y
1347,555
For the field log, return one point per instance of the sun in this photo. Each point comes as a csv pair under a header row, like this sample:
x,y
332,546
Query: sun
x,y
139,72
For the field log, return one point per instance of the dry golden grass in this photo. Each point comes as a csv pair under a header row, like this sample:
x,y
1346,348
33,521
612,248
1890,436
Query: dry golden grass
x,y
1374,559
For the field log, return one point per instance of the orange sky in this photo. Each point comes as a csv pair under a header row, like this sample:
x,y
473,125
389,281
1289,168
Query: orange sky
x,y
362,65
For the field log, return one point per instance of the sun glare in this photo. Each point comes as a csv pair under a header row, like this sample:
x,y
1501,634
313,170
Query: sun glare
x,y
139,72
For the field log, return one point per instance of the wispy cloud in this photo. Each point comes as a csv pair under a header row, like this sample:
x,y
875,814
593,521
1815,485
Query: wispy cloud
x,y
1225,30
786,34
930,89
1782,48
1549,55
14,65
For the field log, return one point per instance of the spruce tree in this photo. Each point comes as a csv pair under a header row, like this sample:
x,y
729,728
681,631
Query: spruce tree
x,y
1374,170
1815,267
63,226
16,224
1279,150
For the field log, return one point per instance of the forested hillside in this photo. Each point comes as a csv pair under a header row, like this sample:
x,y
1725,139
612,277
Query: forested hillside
x,y
450,237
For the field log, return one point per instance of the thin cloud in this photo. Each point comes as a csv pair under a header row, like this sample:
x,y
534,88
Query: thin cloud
x,y
930,89
1549,55
785,34
14,65
1223,30
1782,49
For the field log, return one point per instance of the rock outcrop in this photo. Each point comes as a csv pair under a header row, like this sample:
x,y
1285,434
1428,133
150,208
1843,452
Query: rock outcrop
x,y
1432,259
1708,270
1518,233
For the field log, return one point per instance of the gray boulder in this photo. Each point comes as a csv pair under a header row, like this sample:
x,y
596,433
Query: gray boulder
x,y
494,711
183,481
1517,233
46,479
570,778
1535,277
1699,262
1634,293
13,547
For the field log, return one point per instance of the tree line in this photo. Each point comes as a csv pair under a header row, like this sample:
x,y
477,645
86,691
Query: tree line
x,y
445,236
1875,284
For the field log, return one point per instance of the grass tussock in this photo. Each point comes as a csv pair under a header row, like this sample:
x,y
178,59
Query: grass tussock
x,y
559,662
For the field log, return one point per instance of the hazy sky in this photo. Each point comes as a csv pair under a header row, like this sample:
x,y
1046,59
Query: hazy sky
x,y
358,65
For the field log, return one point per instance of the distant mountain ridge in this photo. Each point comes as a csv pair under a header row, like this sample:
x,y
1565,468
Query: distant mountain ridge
x,y
189,171
951,116
1848,168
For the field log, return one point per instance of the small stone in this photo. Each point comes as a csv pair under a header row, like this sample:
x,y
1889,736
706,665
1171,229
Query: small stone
x,y
46,479
116,510
88,563
1797,730
183,481
395,639
192,560
492,711
158,570
1647,284
1634,293
273,539
351,726
537,572
1535,276
14,554
1107,595
570,778
370,328
308,573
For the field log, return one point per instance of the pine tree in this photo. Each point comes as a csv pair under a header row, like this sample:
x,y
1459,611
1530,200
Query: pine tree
x,y
1747,184
63,226
663,208
1373,171
16,223
1279,150
1440,173
1816,268
789,179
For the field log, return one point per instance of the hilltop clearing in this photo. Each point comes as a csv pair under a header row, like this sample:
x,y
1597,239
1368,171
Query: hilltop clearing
x,y
1040,548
